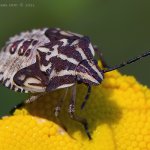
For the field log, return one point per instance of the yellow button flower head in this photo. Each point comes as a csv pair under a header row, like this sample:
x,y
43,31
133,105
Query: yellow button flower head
x,y
118,113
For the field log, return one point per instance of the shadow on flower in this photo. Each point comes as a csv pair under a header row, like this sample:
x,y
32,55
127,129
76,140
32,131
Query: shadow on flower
x,y
100,109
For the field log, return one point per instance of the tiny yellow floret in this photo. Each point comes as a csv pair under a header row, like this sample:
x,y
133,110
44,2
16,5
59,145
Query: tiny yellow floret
x,y
118,113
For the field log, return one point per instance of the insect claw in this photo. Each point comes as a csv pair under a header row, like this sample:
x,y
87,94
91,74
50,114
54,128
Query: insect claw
x,y
85,124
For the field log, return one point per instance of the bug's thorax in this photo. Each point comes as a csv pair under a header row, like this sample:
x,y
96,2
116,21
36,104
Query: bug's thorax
x,y
89,73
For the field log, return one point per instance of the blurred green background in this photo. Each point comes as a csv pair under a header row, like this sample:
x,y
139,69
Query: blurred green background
x,y
120,28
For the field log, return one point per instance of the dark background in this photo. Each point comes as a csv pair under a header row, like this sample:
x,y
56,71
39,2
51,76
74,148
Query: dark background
x,y
120,28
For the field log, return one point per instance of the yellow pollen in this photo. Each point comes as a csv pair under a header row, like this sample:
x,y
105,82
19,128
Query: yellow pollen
x,y
118,113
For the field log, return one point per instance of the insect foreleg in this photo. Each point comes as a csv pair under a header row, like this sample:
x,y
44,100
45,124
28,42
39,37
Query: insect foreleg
x,y
86,97
71,111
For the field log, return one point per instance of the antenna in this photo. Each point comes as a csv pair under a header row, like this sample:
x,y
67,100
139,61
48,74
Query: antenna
x,y
127,62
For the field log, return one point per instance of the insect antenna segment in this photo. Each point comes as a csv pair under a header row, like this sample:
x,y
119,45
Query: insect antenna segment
x,y
127,62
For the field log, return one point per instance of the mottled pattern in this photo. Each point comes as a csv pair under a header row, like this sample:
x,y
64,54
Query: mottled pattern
x,y
20,52
47,59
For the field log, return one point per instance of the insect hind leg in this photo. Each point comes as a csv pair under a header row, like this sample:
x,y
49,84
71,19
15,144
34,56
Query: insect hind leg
x,y
33,98
71,111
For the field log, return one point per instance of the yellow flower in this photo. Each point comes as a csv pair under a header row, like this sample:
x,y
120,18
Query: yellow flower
x,y
118,113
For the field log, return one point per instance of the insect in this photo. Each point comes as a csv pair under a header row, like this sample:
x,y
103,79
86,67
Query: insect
x,y
44,60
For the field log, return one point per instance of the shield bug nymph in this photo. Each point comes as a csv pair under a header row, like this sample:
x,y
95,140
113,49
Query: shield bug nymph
x,y
49,59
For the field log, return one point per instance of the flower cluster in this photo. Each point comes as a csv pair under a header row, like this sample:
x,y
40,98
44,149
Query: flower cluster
x,y
118,114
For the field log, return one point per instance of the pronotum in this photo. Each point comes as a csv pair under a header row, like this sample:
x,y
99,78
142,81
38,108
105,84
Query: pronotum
x,y
49,59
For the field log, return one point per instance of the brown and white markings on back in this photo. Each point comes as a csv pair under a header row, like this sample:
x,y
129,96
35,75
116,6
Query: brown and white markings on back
x,y
49,59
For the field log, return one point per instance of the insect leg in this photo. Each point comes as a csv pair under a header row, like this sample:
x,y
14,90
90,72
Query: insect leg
x,y
100,56
86,97
60,102
71,111
31,99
